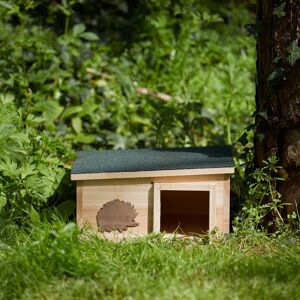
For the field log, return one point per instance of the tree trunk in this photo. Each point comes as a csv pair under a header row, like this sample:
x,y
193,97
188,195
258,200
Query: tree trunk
x,y
278,92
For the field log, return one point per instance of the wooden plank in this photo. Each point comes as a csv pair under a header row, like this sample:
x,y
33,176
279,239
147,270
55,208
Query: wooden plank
x,y
137,182
146,197
156,207
140,195
219,208
201,179
161,173
226,197
187,186
89,218
212,207
79,203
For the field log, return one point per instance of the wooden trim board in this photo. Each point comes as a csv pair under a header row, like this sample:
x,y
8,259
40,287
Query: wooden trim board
x,y
226,197
212,207
156,207
159,173
79,203
184,186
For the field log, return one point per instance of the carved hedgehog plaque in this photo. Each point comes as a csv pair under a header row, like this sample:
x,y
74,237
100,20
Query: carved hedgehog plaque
x,y
116,215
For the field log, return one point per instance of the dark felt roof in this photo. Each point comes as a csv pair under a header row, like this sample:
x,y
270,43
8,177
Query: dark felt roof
x,y
109,161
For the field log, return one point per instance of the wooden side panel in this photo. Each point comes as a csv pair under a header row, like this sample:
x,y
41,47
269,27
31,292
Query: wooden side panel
x,y
97,193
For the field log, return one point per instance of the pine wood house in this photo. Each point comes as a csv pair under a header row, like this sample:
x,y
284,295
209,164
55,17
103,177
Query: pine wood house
x,y
139,191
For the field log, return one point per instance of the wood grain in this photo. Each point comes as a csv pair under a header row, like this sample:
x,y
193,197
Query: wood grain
x,y
156,207
226,196
79,194
94,196
145,194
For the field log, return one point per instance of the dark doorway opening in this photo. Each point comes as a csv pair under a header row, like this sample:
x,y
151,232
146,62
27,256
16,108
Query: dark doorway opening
x,y
186,212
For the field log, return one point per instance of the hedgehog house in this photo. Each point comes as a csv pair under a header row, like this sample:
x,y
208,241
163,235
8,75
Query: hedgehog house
x,y
162,190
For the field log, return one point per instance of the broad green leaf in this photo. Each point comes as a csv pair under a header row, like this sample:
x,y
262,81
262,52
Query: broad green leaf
x,y
9,167
77,124
87,108
27,173
139,120
71,111
84,138
50,109
6,5
78,29
34,216
33,121
294,52
6,98
89,36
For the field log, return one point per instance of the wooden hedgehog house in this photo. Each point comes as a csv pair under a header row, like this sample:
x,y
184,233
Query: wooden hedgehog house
x,y
154,190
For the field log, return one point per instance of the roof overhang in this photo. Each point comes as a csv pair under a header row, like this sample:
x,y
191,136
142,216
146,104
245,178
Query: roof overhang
x,y
150,174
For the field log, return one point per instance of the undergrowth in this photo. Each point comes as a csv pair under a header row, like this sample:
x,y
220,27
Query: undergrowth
x,y
57,261
168,73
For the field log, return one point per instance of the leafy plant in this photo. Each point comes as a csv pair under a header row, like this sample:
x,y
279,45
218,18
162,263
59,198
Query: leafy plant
x,y
279,11
294,52
186,58
32,164
165,74
91,98
262,199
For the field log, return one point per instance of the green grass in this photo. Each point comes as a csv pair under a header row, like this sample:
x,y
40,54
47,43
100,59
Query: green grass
x,y
57,262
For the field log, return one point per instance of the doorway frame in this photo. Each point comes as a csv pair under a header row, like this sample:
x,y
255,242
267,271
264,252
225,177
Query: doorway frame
x,y
186,186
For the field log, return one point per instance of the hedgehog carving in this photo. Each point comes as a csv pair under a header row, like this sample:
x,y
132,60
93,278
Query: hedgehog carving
x,y
116,215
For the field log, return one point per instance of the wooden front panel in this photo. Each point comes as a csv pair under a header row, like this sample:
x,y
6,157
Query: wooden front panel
x,y
98,192
92,194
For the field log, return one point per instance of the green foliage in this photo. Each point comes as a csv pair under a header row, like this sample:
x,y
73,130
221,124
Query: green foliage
x,y
166,74
257,204
44,68
279,11
294,52
88,97
262,199
32,164
189,54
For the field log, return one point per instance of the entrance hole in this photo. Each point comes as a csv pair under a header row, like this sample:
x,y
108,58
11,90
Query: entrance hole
x,y
186,212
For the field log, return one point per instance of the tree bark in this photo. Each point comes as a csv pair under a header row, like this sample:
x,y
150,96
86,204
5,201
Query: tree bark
x,y
278,93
